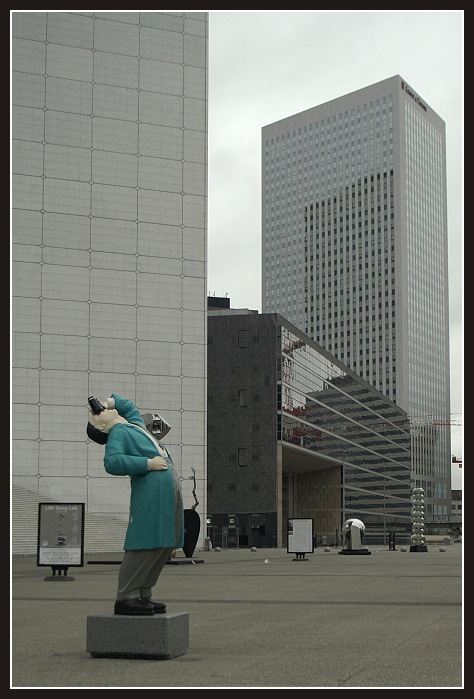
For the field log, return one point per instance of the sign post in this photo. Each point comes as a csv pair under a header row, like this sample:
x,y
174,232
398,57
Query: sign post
x,y
300,538
60,537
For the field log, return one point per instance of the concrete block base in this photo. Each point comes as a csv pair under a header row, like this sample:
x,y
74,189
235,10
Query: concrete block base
x,y
160,636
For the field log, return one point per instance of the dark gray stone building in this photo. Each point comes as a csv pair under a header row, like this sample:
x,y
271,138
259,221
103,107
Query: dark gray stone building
x,y
294,433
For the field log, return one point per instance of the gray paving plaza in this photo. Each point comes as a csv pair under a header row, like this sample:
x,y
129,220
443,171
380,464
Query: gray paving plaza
x,y
256,619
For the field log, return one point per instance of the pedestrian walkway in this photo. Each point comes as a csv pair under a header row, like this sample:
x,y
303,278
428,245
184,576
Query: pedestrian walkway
x,y
259,619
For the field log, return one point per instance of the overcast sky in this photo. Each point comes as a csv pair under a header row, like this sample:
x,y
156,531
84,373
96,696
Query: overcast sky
x,y
265,66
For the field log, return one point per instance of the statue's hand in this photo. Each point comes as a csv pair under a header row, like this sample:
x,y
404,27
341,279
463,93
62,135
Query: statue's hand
x,y
157,463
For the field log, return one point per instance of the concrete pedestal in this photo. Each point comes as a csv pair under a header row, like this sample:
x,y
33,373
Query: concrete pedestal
x,y
160,637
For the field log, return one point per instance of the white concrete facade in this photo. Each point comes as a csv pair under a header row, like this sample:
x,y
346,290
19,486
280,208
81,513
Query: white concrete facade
x,y
109,241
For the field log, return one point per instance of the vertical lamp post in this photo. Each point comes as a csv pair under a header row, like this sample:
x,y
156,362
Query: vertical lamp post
x,y
384,512
343,494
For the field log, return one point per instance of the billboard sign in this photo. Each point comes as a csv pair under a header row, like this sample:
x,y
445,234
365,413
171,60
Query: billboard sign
x,y
60,534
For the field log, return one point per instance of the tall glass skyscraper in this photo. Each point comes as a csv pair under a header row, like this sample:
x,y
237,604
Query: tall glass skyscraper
x,y
355,252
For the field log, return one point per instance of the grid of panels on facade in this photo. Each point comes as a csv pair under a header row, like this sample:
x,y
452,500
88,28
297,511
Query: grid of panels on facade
x,y
109,193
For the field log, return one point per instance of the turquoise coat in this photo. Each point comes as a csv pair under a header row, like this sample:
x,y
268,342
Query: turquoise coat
x,y
156,503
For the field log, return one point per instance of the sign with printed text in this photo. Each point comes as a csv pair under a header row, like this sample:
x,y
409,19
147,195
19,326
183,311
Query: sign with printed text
x,y
300,536
60,534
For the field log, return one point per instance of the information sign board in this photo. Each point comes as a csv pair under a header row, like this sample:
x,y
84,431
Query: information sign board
x,y
300,536
61,534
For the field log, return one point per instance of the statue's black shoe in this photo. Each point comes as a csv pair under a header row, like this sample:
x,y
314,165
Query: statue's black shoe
x,y
158,607
133,607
